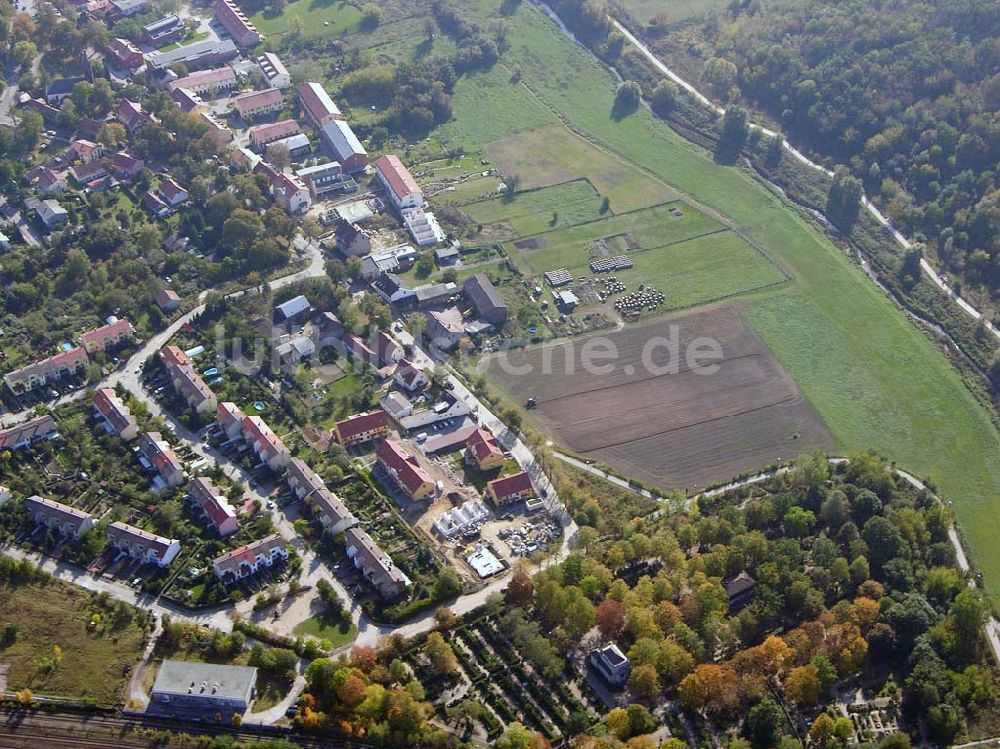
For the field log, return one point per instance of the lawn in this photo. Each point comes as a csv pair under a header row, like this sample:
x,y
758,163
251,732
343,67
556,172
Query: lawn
x,y
647,229
876,380
188,39
555,154
536,211
336,631
492,107
92,660
343,18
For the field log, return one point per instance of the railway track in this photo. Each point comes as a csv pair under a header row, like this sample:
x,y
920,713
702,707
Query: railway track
x,y
28,730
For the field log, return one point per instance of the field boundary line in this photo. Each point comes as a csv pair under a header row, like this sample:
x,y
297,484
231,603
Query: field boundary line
x,y
530,190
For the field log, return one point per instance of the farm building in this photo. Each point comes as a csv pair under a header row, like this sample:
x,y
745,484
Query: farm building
x,y
485,299
274,70
317,105
343,145
402,190
295,310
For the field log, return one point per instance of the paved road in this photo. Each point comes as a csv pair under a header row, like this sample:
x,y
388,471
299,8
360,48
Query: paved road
x,y
584,466
936,278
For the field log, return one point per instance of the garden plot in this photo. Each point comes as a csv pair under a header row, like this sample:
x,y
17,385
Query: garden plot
x,y
536,211
678,429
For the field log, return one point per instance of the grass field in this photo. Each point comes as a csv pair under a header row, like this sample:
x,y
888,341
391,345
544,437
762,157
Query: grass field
x,y
58,614
672,11
554,154
343,18
874,378
337,631
541,210
492,107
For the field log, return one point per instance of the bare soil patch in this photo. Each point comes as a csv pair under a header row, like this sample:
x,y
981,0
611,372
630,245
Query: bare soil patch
x,y
680,429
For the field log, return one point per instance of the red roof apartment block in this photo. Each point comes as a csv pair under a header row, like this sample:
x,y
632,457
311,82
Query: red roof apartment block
x,y
403,190
256,103
261,135
244,33
405,471
118,420
107,335
214,505
361,427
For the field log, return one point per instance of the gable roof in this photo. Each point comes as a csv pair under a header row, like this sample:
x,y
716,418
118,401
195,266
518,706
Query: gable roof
x,y
482,444
364,423
403,466
294,306
396,175
517,483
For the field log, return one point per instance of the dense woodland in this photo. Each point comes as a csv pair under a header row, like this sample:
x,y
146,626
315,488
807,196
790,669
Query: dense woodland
x,y
904,93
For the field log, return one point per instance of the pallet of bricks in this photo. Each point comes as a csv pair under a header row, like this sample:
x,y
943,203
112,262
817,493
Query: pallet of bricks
x,y
610,264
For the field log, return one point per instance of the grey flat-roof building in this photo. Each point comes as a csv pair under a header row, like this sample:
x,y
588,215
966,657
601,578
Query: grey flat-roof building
x,y
195,56
189,685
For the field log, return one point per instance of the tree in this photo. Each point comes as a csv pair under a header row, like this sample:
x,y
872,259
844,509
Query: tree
x,y
664,97
511,416
821,731
798,522
520,590
610,617
23,54
884,540
516,736
644,682
424,266
447,584
763,724
803,685
627,99
843,202
278,155
995,368
735,129
440,654
371,16
445,618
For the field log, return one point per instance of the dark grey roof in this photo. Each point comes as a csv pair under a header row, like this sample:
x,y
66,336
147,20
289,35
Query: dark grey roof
x,y
484,294
62,86
739,584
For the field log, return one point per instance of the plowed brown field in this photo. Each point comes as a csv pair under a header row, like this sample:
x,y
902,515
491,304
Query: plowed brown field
x,y
680,429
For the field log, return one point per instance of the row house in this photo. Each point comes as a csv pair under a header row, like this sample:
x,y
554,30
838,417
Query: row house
x,y
256,103
118,420
360,428
63,364
266,444
510,489
318,107
107,336
186,380
286,189
359,350
214,505
275,72
235,21
306,485
157,455
261,135
377,566
213,82
187,99
230,418
250,559
63,519
405,471
146,547
28,432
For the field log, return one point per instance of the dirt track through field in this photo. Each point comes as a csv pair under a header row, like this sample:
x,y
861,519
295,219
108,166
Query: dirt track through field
x,y
679,429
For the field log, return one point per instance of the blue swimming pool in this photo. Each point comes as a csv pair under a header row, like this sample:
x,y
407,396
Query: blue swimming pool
x,y
258,405
212,371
